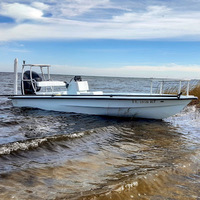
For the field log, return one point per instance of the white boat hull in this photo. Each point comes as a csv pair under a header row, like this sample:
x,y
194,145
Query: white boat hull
x,y
119,106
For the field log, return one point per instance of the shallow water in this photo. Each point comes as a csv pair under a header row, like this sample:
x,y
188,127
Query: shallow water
x,y
53,155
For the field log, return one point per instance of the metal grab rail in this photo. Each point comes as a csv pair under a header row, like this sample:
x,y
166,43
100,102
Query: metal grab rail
x,y
33,83
162,81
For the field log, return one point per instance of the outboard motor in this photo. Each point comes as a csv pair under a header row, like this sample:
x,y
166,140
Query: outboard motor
x,y
77,78
28,85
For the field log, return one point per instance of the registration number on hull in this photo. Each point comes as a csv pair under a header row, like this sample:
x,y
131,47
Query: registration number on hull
x,y
143,101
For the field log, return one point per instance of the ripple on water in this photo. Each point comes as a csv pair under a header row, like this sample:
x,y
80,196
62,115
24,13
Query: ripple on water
x,y
53,155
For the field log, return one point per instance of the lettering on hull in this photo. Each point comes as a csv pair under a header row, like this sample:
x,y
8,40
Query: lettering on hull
x,y
143,101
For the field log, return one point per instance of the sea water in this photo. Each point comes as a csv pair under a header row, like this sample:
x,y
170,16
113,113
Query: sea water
x,y
54,155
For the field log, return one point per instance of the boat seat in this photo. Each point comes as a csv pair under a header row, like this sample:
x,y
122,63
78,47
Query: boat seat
x,y
50,83
82,86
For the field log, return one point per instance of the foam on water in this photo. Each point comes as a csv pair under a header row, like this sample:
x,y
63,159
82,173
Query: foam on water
x,y
34,143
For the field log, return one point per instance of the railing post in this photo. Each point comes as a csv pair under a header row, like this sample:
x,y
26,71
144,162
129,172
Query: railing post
x,y
151,89
179,90
188,87
16,76
161,87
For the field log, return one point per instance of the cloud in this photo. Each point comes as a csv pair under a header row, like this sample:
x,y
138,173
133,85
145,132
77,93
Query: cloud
x,y
137,71
20,12
170,70
151,22
159,22
13,47
40,6
151,12
78,7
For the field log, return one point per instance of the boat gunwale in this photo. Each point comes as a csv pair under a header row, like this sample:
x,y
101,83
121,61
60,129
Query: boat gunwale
x,y
105,97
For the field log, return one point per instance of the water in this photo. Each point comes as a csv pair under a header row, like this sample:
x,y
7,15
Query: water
x,y
57,156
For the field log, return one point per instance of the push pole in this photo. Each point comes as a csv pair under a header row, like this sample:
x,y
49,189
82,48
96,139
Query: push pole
x,y
16,76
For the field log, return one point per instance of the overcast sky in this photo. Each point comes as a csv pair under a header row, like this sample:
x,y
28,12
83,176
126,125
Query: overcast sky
x,y
150,38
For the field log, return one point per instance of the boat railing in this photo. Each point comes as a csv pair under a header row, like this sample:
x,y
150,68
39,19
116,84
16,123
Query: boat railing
x,y
183,85
33,83
46,80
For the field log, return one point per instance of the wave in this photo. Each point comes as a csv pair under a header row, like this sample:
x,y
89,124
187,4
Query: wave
x,y
28,144
180,181
163,182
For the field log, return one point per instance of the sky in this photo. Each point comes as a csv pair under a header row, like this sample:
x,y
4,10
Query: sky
x,y
129,38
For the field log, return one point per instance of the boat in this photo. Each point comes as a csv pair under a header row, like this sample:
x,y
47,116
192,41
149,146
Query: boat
x,y
38,91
